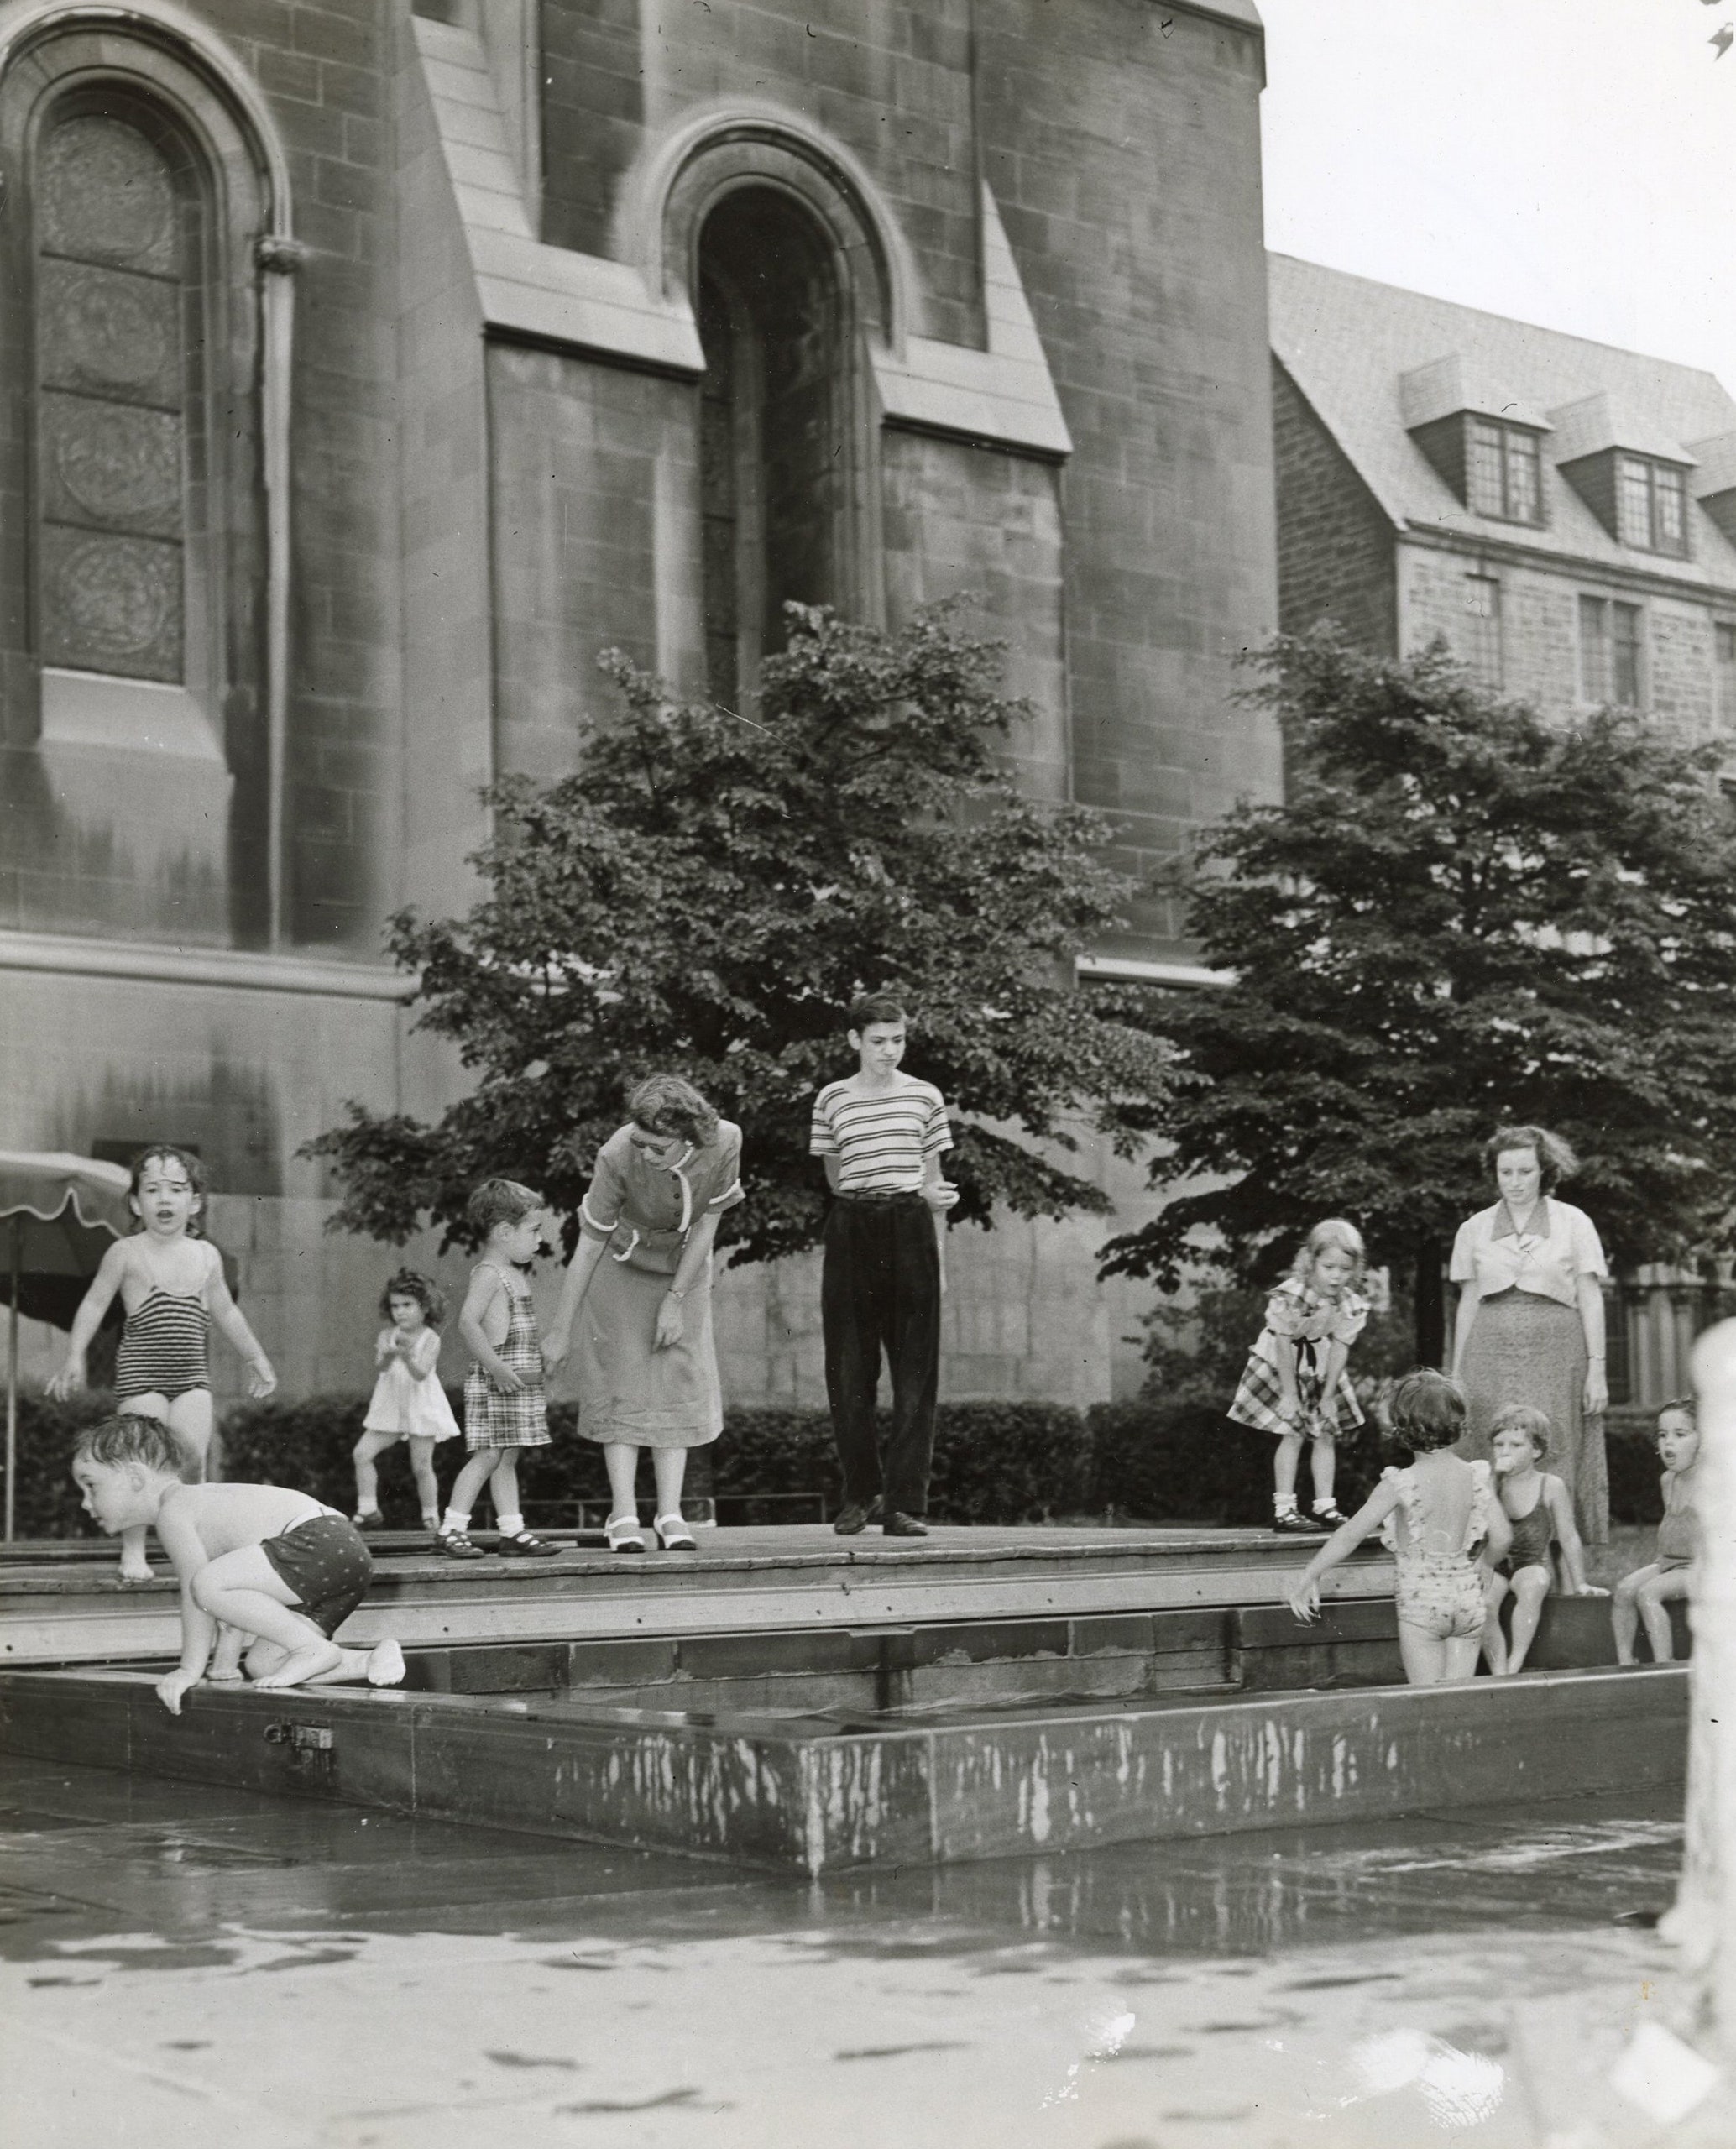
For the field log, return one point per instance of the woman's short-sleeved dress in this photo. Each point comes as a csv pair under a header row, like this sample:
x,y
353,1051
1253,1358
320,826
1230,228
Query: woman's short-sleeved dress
x,y
630,1393
407,1399
1527,1341
1298,1314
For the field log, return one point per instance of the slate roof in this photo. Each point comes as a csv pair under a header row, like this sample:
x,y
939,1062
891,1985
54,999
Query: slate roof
x,y
1347,341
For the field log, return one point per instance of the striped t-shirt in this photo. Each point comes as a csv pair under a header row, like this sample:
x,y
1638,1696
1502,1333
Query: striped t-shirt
x,y
881,1138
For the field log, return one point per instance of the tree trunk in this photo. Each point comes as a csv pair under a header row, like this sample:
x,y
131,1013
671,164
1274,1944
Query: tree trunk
x,y
1431,1303
1703,1921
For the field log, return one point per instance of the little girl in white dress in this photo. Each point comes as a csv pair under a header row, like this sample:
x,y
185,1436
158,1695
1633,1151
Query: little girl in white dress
x,y
408,1401
1439,1513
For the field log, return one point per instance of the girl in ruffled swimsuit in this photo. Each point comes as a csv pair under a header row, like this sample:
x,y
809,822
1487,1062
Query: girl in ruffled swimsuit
x,y
1437,1515
172,1285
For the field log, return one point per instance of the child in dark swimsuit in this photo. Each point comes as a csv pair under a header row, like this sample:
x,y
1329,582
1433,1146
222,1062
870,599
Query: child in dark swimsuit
x,y
1648,1592
171,1283
261,1561
1540,1510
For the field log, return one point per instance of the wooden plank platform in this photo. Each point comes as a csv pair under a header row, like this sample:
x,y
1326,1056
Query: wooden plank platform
x,y
812,1794
68,1609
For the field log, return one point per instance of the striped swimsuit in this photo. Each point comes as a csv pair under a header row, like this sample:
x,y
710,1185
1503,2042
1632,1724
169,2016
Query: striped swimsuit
x,y
162,1347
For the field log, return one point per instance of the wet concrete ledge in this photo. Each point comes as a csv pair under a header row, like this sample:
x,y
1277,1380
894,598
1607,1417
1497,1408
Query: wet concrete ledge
x,y
65,1611
808,1795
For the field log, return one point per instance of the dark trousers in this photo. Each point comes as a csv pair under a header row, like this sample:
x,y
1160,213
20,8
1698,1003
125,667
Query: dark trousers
x,y
879,1290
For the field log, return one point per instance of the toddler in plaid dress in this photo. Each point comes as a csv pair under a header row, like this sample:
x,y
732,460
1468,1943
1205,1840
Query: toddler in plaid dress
x,y
506,1410
1294,1385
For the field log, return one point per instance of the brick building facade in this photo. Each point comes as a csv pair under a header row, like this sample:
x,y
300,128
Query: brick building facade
x,y
378,366
1561,514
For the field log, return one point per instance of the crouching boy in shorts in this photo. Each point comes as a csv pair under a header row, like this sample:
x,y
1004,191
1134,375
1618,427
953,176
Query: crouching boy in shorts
x,y
270,1564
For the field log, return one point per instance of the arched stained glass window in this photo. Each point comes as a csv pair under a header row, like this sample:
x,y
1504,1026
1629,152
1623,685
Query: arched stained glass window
x,y
120,336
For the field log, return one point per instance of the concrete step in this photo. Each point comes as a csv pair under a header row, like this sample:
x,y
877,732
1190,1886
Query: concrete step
x,y
769,1579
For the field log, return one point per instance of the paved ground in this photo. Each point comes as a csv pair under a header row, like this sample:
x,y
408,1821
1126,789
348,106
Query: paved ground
x,y
186,1968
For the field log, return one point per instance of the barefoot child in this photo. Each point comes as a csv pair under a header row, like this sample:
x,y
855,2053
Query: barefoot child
x,y
1647,1593
505,1408
258,1559
408,1403
1540,1510
1442,1510
171,1284
1295,1384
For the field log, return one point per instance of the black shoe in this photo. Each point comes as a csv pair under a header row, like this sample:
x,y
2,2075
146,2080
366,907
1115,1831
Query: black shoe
x,y
904,1525
1332,1517
457,1544
524,1547
373,1519
852,1519
1295,1523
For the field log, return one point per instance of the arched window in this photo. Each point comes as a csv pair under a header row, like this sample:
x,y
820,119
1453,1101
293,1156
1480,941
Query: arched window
x,y
777,431
122,501
133,613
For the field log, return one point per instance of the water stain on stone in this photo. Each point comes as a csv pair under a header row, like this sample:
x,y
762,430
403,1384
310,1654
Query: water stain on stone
x,y
524,2059
634,2105
895,2052
73,1981
1334,1985
186,2044
311,1960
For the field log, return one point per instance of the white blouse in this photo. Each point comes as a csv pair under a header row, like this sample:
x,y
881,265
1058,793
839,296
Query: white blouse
x,y
1559,1246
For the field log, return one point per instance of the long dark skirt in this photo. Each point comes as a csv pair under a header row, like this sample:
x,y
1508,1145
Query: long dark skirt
x,y
1522,1348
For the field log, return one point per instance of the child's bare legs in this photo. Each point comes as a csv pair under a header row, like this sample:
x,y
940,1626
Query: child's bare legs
x,y
1284,1468
1530,1586
1494,1641
1646,1594
467,1486
190,1419
504,1489
364,1455
421,1468
1323,1462
243,1589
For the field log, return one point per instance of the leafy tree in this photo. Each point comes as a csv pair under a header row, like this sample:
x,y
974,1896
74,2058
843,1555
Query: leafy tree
x,y
1464,913
708,892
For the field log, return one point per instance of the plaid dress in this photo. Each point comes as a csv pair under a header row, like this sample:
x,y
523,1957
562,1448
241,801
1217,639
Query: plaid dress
x,y
1301,1315
492,1417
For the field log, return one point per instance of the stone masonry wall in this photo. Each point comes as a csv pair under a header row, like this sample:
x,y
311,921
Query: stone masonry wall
x,y
1335,544
1124,155
1539,633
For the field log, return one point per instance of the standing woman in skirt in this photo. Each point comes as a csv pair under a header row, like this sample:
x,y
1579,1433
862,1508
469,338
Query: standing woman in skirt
x,y
638,1291
1530,1321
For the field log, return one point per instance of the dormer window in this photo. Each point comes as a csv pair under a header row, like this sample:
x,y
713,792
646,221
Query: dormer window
x,y
1503,472
1651,505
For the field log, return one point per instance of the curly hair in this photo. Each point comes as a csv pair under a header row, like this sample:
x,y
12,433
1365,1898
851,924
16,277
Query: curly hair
x,y
1521,1418
665,1105
501,1201
1333,1231
173,1153
875,1008
115,1441
412,1284
1556,1160
1428,1411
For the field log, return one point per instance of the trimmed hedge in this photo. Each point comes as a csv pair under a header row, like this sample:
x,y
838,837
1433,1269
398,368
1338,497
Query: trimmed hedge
x,y
993,1462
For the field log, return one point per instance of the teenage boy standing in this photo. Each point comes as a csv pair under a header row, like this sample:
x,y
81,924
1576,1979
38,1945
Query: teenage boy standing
x,y
880,1135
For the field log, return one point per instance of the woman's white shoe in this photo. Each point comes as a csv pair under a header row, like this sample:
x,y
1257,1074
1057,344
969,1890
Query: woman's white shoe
x,y
673,1534
622,1531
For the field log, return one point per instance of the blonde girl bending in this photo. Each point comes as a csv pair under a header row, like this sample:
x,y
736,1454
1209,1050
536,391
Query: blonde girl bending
x,y
1294,1385
171,1284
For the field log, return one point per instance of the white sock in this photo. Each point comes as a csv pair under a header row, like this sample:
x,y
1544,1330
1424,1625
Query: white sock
x,y
508,1525
1326,1500
1284,1503
456,1522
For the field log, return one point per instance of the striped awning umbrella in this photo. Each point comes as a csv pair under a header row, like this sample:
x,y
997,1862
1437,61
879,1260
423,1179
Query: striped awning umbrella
x,y
59,1215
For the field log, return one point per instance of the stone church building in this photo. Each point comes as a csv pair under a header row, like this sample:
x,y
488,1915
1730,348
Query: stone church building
x,y
368,368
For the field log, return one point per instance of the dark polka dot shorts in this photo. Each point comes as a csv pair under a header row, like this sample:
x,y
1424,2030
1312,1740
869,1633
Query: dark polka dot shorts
x,y
326,1562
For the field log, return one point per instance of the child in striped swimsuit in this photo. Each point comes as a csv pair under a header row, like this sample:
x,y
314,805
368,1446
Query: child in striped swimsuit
x,y
172,1285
